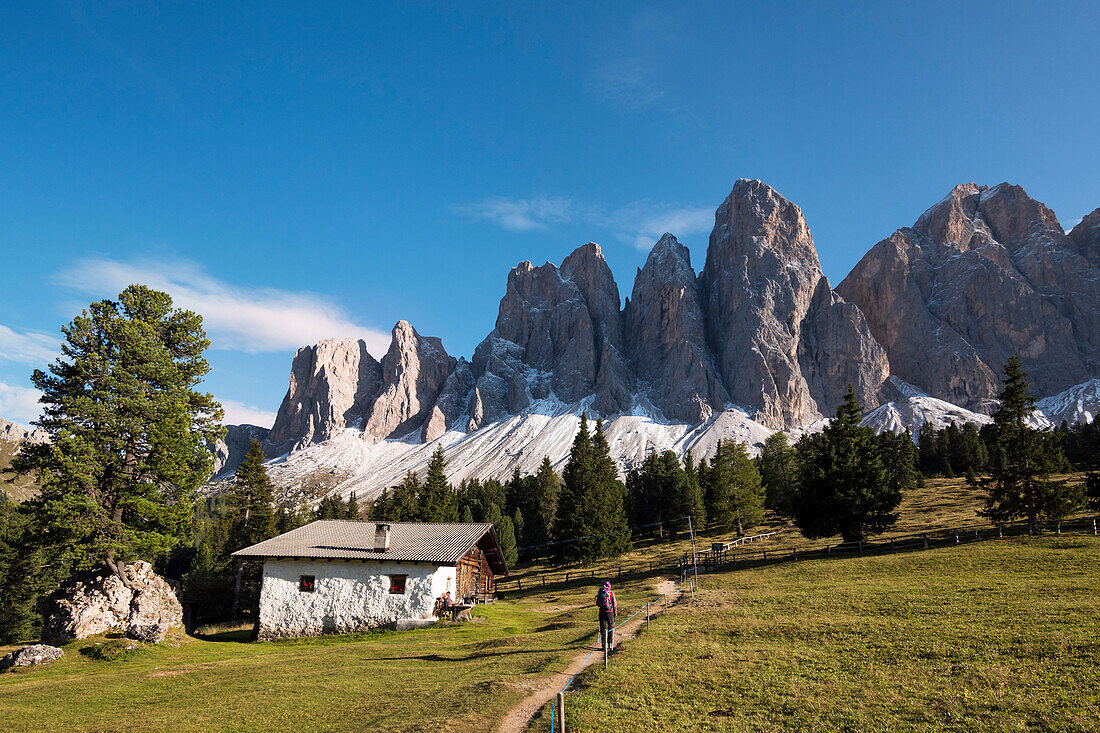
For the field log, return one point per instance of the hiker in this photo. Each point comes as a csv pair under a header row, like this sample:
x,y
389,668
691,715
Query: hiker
x,y
605,602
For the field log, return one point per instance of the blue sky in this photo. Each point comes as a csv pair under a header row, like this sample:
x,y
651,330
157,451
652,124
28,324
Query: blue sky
x,y
295,172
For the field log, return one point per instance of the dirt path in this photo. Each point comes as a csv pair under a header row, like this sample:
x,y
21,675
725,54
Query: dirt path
x,y
519,717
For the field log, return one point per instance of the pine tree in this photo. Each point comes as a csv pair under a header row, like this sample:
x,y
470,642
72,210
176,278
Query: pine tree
x,y
352,510
735,493
436,501
1018,484
778,469
507,535
843,486
899,459
250,501
517,525
545,488
128,433
693,505
591,522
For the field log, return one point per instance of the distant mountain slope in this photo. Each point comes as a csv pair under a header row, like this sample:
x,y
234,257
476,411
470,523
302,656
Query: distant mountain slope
x,y
12,435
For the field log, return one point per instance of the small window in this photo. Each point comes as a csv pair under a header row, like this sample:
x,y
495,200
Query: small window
x,y
305,584
397,585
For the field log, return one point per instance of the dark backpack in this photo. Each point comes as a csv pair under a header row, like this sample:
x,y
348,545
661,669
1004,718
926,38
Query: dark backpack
x,y
603,599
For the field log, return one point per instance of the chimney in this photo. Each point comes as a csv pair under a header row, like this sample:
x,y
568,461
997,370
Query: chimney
x,y
381,538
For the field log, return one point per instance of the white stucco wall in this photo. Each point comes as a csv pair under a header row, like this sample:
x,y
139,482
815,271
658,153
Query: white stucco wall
x,y
347,596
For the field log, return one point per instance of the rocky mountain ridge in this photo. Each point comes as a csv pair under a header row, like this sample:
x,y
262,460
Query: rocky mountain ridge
x,y
756,341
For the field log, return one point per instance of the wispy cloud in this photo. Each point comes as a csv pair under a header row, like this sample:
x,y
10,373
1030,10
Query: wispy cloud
x,y
518,215
639,224
238,413
236,318
19,404
642,223
29,347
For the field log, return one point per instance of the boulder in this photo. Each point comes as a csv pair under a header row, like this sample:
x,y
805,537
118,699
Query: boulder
x,y
145,607
30,655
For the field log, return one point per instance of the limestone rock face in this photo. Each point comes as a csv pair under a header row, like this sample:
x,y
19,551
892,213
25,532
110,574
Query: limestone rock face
x,y
451,404
14,433
836,349
1086,238
758,284
984,274
332,385
30,655
414,372
559,331
145,609
666,336
230,450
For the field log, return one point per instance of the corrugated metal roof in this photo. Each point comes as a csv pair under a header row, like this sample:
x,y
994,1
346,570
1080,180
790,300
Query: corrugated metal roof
x,y
437,543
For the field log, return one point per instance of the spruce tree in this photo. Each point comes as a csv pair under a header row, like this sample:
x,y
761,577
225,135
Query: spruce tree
x,y
1018,484
693,505
352,509
437,501
777,471
507,535
250,501
843,486
128,433
736,495
591,522
545,490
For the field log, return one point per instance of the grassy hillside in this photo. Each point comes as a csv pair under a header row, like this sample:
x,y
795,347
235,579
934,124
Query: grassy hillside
x,y
23,487
452,677
995,636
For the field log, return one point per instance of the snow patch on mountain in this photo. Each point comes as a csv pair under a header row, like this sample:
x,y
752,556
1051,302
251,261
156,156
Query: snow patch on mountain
x,y
1080,403
912,413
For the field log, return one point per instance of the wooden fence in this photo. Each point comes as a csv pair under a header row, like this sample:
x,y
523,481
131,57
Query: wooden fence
x,y
542,580
729,559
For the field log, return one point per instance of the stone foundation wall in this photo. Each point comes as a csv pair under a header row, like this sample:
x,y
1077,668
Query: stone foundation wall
x,y
347,596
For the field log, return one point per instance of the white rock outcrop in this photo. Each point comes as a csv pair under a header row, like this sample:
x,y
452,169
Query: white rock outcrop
x,y
145,609
30,655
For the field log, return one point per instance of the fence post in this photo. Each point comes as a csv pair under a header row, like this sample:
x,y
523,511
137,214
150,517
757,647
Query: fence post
x,y
1001,531
1059,531
519,582
561,712
544,580
891,544
861,548
567,577
926,541
620,572
1094,525
794,554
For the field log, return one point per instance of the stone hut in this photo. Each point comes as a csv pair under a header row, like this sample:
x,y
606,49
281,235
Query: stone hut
x,y
336,576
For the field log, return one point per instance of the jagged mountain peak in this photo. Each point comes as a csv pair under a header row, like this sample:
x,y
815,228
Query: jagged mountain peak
x,y
984,274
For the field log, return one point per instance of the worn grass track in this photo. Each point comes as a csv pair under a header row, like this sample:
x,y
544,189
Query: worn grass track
x,y
996,636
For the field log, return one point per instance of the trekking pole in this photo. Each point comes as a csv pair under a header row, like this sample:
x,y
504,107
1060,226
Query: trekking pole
x,y
606,634
647,616
561,712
